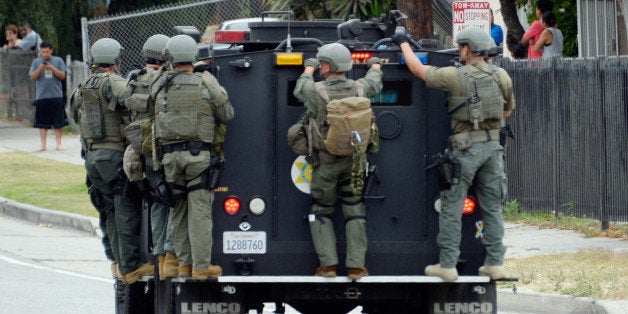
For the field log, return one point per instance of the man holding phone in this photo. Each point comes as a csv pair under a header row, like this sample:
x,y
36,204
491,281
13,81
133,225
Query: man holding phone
x,y
49,72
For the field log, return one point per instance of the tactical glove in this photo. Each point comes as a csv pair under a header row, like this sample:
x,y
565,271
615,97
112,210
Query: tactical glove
x,y
311,62
372,61
399,39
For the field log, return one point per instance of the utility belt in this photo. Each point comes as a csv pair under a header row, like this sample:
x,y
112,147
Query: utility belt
x,y
464,140
194,147
119,146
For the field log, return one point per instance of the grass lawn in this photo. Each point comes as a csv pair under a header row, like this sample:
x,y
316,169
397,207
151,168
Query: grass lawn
x,y
45,183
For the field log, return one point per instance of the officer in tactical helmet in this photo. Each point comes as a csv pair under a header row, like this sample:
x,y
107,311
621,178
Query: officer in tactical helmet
x,y
480,99
96,106
332,174
188,107
139,164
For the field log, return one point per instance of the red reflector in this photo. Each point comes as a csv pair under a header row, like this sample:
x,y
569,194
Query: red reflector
x,y
229,36
360,56
469,206
231,205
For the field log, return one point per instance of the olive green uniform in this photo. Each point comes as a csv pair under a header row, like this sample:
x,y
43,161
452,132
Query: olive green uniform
x,y
136,95
332,176
187,109
482,161
103,160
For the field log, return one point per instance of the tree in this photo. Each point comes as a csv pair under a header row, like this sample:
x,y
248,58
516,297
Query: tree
x,y
515,29
566,17
420,19
56,21
309,10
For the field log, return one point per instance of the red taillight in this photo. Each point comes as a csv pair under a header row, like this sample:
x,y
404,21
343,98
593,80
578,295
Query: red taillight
x,y
229,36
231,205
469,206
360,57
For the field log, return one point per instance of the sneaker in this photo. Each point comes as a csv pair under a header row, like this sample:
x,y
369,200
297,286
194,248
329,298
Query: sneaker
x,y
184,271
447,274
211,271
495,272
147,269
326,271
170,268
356,273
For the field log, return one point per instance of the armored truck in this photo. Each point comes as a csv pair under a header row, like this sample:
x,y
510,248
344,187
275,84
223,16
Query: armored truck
x,y
261,231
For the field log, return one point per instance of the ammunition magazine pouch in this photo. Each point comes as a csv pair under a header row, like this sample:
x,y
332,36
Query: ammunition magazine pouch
x,y
464,140
133,133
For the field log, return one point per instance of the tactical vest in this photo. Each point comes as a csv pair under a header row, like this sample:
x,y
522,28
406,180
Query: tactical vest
x,y
99,122
181,113
139,100
486,85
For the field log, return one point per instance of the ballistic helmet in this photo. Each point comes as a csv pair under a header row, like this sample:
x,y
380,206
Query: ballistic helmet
x,y
154,47
181,48
477,39
337,55
106,51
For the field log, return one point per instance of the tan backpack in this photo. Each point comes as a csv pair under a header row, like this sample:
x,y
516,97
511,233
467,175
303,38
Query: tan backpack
x,y
350,120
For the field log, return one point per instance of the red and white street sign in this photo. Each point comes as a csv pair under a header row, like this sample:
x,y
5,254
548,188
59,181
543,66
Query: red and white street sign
x,y
468,13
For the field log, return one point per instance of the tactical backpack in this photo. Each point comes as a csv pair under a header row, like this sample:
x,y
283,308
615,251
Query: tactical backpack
x,y
350,122
482,98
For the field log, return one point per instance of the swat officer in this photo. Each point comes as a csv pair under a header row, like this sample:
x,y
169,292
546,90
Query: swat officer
x,y
137,99
188,106
480,99
96,107
331,174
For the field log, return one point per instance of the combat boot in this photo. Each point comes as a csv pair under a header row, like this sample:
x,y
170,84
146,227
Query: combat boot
x,y
147,269
356,273
115,271
447,274
495,272
160,266
170,269
184,271
211,271
326,271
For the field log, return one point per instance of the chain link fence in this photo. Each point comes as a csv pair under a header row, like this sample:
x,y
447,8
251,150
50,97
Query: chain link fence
x,y
132,29
17,93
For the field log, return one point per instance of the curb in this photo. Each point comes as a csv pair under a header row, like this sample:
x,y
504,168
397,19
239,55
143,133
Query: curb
x,y
48,217
534,302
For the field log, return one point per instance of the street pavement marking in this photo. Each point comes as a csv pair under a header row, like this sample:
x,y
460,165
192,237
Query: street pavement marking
x,y
65,272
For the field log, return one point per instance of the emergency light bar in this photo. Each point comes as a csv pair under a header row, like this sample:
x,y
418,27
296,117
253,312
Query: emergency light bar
x,y
361,57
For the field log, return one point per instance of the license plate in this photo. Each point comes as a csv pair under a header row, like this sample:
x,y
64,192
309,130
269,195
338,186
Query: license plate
x,y
249,242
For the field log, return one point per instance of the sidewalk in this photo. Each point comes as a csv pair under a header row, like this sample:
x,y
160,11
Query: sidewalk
x,y
19,137
521,240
